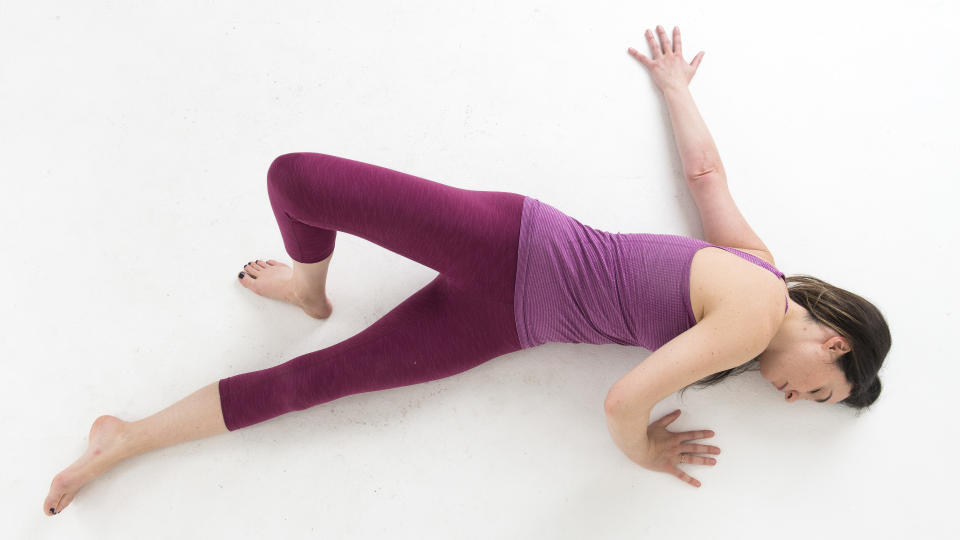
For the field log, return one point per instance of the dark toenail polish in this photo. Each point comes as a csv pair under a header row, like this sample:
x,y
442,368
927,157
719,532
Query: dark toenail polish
x,y
241,275
51,511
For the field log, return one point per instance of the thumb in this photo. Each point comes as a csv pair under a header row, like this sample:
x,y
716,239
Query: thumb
x,y
669,418
695,63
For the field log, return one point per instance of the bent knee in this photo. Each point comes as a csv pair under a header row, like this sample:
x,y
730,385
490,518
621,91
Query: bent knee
x,y
295,166
284,167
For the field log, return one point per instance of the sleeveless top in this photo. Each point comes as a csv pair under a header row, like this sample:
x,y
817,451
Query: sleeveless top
x,y
577,284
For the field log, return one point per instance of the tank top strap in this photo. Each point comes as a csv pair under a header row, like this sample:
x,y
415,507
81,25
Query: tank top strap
x,y
754,259
759,262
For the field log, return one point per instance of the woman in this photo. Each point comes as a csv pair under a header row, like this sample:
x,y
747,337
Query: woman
x,y
514,273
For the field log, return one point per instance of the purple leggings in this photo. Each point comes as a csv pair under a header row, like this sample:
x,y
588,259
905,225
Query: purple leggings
x,y
461,319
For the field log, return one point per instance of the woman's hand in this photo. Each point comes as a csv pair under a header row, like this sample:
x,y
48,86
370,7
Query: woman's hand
x,y
668,68
666,449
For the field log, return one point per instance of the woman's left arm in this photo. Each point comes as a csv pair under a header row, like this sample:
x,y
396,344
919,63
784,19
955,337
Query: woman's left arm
x,y
672,75
723,224
697,150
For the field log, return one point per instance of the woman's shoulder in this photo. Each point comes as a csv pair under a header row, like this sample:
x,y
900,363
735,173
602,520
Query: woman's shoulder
x,y
762,254
720,279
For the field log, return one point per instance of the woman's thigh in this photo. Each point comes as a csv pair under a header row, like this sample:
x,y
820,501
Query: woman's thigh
x,y
469,235
437,332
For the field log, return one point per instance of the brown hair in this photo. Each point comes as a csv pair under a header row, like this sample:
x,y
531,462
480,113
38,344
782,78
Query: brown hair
x,y
850,316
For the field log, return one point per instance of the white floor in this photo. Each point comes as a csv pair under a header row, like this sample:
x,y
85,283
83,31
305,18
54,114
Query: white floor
x,y
135,145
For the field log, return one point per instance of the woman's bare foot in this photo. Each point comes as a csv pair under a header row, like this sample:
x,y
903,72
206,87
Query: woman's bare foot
x,y
107,447
273,279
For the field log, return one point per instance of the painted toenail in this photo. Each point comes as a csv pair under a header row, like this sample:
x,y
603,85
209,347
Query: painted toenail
x,y
241,275
51,510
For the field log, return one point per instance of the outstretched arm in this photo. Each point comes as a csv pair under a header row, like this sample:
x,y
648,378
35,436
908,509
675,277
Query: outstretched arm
x,y
672,75
723,224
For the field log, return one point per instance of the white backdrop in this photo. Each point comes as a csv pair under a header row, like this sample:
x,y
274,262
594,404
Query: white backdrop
x,y
136,137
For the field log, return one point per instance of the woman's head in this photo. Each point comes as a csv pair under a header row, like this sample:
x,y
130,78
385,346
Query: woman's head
x,y
829,347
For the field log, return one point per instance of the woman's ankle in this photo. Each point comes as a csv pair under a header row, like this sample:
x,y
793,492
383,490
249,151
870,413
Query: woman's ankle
x,y
309,281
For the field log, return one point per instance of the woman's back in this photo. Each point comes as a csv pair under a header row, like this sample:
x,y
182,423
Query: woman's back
x,y
577,284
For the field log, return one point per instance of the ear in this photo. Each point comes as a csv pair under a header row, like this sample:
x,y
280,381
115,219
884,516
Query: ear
x,y
838,344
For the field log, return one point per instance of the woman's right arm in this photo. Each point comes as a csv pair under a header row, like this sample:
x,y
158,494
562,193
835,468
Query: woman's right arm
x,y
725,338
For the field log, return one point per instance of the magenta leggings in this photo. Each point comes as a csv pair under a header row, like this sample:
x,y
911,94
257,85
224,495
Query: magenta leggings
x,y
459,320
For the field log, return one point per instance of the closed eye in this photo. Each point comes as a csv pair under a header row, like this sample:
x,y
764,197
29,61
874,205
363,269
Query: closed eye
x,y
826,398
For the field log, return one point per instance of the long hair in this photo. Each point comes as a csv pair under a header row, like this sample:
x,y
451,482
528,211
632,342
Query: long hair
x,y
850,316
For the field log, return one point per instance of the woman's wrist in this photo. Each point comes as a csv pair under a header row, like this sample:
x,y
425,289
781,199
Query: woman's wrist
x,y
679,88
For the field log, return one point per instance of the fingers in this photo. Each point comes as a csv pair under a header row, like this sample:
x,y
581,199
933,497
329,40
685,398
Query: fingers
x,y
643,59
699,448
696,460
690,435
664,47
685,477
664,41
655,49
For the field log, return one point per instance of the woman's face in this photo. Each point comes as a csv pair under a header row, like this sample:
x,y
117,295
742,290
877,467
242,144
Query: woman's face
x,y
806,370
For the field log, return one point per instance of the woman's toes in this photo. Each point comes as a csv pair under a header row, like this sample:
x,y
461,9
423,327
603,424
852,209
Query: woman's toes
x,y
50,506
266,279
105,449
62,491
246,276
54,502
55,497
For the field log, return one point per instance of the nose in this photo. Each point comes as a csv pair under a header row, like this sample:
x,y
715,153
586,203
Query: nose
x,y
789,395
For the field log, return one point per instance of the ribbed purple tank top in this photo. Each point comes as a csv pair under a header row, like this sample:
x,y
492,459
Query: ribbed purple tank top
x,y
577,284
